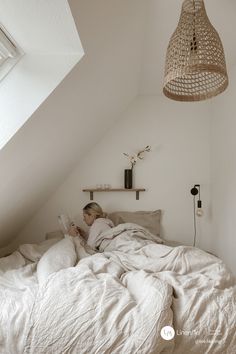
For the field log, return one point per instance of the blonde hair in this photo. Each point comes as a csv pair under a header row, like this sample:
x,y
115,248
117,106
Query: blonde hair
x,y
94,209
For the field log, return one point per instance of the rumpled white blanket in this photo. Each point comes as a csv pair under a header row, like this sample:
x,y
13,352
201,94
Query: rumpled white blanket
x,y
118,301
204,291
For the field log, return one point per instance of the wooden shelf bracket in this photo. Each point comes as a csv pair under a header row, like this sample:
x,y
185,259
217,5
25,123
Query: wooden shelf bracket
x,y
92,190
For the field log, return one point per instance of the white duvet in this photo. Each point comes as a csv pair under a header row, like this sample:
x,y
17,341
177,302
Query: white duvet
x,y
117,301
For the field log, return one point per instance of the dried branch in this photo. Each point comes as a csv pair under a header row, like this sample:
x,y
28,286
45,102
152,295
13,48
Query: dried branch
x,y
139,156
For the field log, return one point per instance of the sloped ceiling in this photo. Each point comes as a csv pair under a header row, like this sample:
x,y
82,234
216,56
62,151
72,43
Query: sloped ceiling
x,y
77,113
124,43
46,32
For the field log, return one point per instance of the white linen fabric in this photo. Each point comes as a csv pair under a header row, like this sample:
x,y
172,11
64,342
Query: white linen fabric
x,y
82,249
61,255
128,233
98,227
119,300
18,289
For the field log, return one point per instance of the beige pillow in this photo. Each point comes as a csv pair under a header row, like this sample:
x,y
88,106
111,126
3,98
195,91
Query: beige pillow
x,y
33,251
13,261
54,234
148,219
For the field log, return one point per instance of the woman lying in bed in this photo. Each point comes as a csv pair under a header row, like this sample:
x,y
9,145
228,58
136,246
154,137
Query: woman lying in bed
x,y
96,219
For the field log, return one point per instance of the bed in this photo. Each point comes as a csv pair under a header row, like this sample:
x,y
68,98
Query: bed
x,y
60,296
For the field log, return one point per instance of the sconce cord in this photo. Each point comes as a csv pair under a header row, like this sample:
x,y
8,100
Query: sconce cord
x,y
194,221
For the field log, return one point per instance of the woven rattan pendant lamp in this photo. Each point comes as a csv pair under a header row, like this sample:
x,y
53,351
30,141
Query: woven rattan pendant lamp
x,y
195,67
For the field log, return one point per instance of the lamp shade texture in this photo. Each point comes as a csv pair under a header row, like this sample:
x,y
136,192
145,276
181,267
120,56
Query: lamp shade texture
x,y
195,66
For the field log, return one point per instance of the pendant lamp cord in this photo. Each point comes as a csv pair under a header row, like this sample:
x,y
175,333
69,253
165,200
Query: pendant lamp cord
x,y
194,25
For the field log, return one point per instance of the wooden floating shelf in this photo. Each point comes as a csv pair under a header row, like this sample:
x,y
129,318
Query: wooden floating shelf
x,y
92,190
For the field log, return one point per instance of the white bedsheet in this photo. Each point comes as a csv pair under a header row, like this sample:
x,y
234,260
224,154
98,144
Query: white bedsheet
x,y
119,300
18,289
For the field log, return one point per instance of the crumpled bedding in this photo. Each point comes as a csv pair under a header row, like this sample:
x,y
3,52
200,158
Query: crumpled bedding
x,y
117,301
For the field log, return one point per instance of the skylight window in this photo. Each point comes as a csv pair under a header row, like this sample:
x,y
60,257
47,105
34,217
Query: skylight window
x,y
10,53
51,53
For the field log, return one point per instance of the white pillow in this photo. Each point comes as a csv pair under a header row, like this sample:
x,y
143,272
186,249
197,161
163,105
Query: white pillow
x,y
61,255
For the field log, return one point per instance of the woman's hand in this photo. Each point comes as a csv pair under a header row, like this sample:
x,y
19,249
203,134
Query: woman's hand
x,y
82,233
74,230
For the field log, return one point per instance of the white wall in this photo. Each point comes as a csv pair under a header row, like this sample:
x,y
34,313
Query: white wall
x,y
223,173
179,135
34,163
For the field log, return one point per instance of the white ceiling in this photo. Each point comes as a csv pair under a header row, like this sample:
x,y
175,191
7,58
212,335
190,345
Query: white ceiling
x,y
46,32
39,26
124,43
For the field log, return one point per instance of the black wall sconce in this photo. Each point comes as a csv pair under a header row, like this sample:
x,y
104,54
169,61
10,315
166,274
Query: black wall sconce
x,y
199,212
197,191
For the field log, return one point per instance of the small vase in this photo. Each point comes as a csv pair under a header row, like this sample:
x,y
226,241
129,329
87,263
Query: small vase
x,y
128,178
